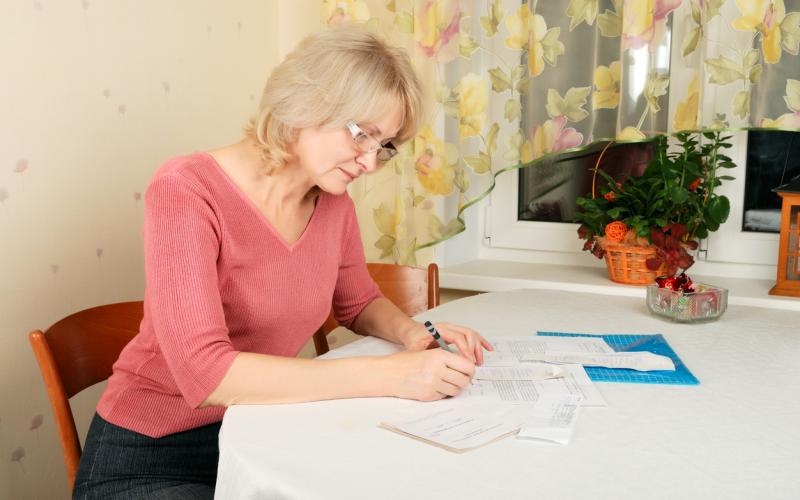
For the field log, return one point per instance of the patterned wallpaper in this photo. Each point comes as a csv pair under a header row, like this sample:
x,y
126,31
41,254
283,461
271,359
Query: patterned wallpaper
x,y
95,94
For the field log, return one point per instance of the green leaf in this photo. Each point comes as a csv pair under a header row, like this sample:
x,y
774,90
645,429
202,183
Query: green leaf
x,y
500,80
580,11
696,14
450,108
792,96
480,163
755,74
551,46
571,105
435,227
491,138
518,72
690,42
726,178
466,45
513,110
404,22
678,194
723,70
790,33
384,219
386,244
610,24
718,210
741,104
522,85
461,180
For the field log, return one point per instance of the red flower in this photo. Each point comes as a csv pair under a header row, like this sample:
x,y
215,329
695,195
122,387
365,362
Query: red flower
x,y
695,184
610,196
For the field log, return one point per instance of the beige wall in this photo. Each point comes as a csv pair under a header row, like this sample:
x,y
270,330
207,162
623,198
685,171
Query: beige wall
x,y
94,96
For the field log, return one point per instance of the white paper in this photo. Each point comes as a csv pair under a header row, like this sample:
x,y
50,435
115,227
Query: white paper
x,y
633,360
551,420
574,383
537,371
510,350
459,427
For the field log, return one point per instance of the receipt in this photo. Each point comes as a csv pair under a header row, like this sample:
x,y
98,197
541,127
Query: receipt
x,y
537,371
551,420
633,360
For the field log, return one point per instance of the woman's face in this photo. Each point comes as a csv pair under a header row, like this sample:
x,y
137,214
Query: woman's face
x,y
329,157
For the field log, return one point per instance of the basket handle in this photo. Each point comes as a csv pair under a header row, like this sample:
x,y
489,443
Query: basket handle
x,y
597,167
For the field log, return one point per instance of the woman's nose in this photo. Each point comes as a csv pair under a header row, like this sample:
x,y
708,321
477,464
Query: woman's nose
x,y
368,161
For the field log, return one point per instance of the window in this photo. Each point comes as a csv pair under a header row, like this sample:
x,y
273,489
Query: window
x,y
548,190
773,159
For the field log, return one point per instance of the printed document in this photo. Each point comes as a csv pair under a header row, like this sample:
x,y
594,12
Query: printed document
x,y
633,360
511,350
527,371
459,427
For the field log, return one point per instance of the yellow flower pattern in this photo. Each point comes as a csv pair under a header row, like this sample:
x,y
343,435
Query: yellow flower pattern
x,y
686,116
436,29
764,17
643,21
529,31
435,162
491,113
344,11
606,83
473,94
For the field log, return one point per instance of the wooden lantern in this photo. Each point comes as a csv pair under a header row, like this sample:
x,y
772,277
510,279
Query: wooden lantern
x,y
789,250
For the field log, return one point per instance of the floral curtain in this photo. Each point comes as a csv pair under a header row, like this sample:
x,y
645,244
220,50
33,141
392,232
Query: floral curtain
x,y
512,83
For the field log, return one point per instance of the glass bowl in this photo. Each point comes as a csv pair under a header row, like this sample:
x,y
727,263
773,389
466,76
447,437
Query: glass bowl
x,y
706,303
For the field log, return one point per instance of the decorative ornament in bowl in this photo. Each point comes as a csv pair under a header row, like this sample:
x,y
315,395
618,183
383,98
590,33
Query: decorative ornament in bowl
x,y
681,300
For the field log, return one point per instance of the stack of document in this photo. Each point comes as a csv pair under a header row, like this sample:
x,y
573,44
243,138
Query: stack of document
x,y
509,397
530,387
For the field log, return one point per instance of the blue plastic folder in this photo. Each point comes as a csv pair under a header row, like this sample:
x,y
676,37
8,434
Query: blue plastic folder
x,y
620,343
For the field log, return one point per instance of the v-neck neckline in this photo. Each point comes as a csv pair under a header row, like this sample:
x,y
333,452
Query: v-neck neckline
x,y
260,215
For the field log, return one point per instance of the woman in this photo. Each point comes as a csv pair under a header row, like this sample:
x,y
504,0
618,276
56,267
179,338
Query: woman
x,y
246,248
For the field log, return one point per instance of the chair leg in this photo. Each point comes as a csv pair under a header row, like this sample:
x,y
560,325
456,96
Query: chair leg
x,y
321,342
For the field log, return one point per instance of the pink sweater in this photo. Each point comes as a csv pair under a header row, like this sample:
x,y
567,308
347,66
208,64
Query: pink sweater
x,y
221,280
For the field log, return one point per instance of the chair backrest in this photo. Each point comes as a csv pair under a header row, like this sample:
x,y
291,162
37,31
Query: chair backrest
x,y
77,352
412,289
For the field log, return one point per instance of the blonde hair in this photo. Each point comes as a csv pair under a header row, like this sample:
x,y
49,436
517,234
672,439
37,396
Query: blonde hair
x,y
331,77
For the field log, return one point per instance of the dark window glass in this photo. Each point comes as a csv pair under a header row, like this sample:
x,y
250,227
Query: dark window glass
x,y
548,189
773,159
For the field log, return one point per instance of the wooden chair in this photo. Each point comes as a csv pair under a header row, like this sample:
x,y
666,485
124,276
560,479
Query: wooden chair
x,y
403,285
76,353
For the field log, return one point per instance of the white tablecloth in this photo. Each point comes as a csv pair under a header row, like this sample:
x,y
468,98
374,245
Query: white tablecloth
x,y
736,435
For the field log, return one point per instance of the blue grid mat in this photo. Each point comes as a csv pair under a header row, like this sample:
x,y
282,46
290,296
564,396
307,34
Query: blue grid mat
x,y
653,343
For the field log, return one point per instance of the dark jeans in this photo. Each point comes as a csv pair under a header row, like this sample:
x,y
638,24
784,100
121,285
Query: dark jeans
x,y
121,464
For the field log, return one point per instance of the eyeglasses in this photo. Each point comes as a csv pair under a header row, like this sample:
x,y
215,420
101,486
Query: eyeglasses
x,y
368,144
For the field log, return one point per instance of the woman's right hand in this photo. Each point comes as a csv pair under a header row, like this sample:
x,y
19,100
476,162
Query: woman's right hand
x,y
428,375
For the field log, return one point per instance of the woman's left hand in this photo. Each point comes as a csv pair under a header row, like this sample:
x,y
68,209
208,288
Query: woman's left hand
x,y
468,342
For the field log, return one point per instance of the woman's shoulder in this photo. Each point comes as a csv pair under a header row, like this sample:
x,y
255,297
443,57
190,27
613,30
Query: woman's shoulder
x,y
191,166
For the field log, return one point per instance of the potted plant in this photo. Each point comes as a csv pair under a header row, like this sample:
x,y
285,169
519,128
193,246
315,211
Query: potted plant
x,y
659,216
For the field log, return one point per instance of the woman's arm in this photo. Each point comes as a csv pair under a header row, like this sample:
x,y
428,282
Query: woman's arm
x,y
381,318
265,379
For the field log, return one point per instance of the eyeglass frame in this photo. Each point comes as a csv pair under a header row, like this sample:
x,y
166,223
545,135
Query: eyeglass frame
x,y
382,149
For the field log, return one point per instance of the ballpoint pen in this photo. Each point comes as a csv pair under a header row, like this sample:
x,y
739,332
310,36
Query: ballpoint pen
x,y
437,337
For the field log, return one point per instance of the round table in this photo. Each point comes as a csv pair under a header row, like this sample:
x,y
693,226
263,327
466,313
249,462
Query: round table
x,y
735,435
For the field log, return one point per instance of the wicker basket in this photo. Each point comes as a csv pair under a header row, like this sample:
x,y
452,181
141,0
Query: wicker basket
x,y
627,264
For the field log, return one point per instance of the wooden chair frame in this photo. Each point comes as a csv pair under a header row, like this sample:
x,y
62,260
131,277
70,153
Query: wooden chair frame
x,y
76,353
405,286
